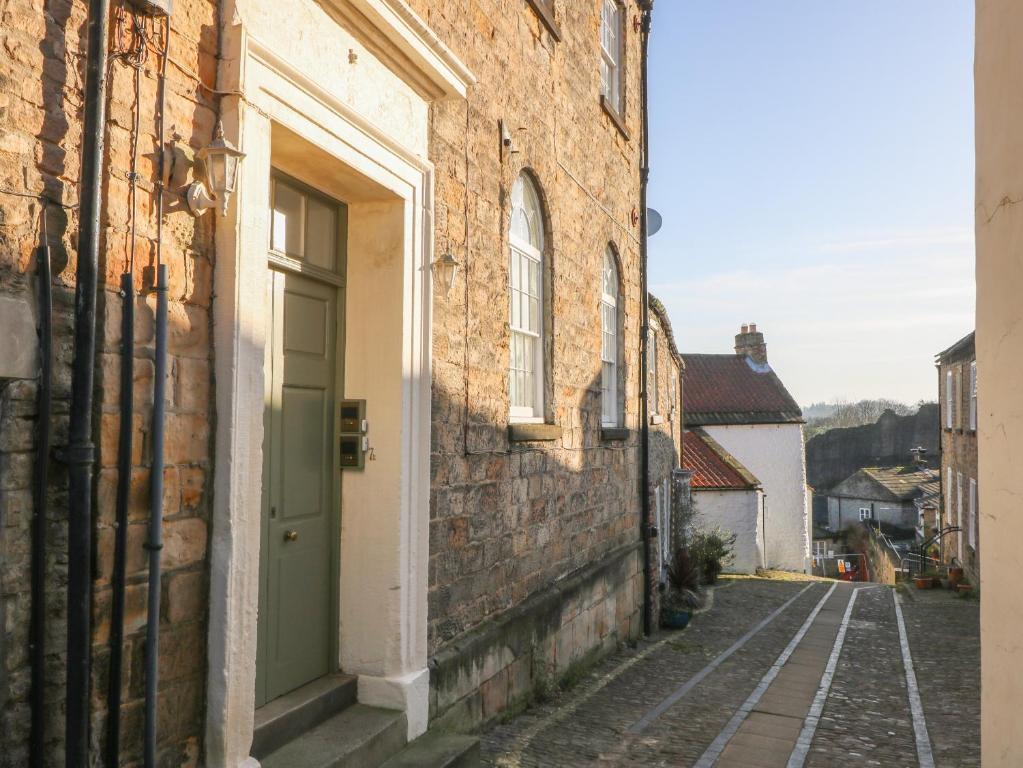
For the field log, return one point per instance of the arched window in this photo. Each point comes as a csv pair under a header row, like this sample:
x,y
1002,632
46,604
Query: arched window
x,y
609,341
526,369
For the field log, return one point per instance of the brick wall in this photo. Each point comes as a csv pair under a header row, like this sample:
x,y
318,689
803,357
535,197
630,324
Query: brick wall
x,y
41,94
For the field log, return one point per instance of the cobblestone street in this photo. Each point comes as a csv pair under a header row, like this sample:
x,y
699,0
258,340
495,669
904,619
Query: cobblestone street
x,y
774,673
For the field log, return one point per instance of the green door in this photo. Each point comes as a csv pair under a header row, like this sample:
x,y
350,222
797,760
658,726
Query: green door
x,y
300,499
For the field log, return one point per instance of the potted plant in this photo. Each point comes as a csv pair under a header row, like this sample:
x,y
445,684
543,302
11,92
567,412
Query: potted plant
x,y
683,594
963,587
924,580
711,552
955,573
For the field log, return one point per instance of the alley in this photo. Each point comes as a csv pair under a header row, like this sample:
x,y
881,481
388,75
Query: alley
x,y
774,673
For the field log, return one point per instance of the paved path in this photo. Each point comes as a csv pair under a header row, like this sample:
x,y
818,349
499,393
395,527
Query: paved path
x,y
776,673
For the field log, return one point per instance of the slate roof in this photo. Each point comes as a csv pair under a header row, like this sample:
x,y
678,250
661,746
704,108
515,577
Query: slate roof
x,y
961,350
898,483
732,389
712,466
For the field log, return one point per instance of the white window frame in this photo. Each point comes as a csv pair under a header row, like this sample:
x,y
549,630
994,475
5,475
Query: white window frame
x,y
523,252
959,512
946,512
971,519
651,353
612,30
959,397
973,396
609,340
866,513
949,399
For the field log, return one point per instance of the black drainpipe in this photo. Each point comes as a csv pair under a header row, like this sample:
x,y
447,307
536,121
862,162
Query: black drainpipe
x,y
644,325
154,544
80,453
37,633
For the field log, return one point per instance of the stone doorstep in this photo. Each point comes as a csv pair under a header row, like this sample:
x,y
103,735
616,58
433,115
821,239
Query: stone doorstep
x,y
286,718
359,737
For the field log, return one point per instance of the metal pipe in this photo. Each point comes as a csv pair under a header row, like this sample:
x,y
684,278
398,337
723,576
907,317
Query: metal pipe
x,y
154,543
124,452
37,631
80,452
644,409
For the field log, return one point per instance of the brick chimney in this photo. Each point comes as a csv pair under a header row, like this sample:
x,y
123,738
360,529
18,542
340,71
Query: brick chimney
x,y
750,341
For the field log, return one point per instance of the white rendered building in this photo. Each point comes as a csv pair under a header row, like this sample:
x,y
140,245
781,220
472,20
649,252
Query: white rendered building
x,y
739,401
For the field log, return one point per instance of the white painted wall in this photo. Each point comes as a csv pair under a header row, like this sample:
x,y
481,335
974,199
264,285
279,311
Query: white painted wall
x,y
739,512
774,454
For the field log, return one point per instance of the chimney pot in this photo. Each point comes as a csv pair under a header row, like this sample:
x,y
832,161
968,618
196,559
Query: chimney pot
x,y
752,327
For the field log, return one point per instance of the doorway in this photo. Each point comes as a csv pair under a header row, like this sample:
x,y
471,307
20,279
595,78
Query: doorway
x,y
301,509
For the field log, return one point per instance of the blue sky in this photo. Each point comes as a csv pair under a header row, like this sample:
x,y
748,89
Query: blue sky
x,y
813,161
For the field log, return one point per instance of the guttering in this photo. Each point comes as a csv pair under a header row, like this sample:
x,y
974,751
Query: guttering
x,y
644,332
80,452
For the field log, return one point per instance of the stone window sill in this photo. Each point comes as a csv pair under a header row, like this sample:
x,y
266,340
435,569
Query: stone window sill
x,y
616,118
545,11
657,419
533,433
609,434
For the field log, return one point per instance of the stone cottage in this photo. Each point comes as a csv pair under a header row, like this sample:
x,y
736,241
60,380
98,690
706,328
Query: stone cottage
x,y
885,497
957,379
741,403
367,374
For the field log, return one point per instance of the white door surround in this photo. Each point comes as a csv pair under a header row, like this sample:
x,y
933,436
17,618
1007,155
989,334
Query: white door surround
x,y
282,115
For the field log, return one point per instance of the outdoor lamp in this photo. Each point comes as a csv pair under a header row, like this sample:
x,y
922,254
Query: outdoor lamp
x,y
220,160
444,269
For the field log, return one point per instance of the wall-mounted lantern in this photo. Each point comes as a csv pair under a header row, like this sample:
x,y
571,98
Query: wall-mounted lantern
x,y
444,270
220,159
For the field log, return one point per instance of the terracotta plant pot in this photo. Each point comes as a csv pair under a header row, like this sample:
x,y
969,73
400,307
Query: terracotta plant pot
x,y
923,582
964,587
955,575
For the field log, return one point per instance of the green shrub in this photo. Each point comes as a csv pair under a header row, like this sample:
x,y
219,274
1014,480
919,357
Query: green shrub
x,y
711,551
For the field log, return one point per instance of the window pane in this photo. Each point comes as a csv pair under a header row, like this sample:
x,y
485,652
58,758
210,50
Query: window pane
x,y
287,220
321,234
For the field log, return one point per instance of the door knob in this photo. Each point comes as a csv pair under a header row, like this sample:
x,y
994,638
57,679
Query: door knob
x,y
291,535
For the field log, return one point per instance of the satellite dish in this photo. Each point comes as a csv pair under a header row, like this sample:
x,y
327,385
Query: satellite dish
x,y
654,221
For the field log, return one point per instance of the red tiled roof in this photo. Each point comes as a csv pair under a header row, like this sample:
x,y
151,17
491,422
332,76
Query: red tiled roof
x,y
732,389
712,466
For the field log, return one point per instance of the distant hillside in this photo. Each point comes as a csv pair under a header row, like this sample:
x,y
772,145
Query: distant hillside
x,y
835,454
820,417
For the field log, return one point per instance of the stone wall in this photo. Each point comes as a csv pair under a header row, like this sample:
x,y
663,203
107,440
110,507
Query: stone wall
x,y
510,519
41,93
834,455
527,650
959,456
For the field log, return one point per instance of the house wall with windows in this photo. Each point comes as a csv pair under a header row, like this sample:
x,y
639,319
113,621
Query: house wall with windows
x,y
535,549
665,440
958,395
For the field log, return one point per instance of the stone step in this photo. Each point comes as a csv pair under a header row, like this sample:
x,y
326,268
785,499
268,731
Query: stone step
x,y
295,713
359,737
438,750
